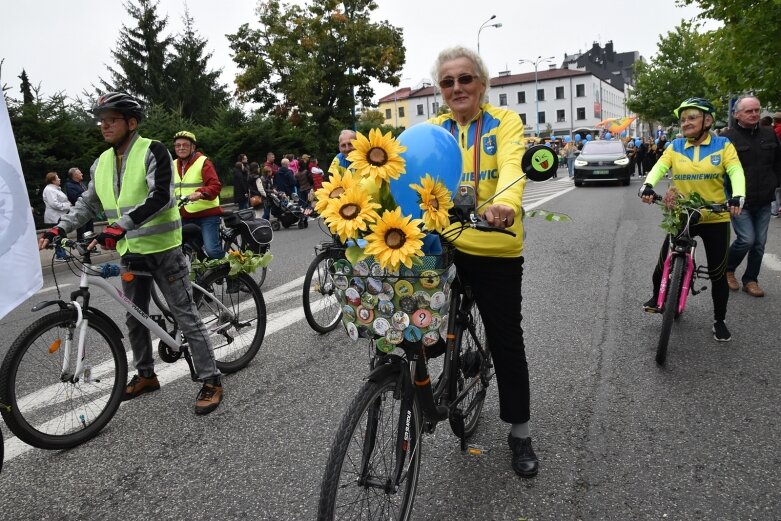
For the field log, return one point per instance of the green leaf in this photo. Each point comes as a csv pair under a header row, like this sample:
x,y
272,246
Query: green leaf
x,y
354,254
548,216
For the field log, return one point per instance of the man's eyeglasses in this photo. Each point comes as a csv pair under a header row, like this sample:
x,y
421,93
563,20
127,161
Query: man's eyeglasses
x,y
107,122
464,79
182,145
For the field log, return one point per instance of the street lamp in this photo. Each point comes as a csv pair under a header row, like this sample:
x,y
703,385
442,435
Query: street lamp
x,y
395,105
497,25
536,64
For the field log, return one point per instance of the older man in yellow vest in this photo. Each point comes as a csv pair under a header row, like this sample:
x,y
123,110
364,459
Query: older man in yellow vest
x,y
132,182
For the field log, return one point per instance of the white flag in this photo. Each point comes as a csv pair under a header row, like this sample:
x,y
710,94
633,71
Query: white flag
x,y
20,263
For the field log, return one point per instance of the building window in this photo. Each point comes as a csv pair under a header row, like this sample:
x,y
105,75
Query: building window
x,y
435,107
541,117
523,117
420,109
581,112
559,92
560,116
401,112
540,94
502,100
521,97
388,114
580,90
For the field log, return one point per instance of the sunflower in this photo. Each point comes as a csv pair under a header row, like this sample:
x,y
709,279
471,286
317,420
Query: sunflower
x,y
352,211
378,156
435,201
395,239
336,185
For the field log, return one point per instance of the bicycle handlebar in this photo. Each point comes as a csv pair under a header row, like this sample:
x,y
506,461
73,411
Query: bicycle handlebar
x,y
713,207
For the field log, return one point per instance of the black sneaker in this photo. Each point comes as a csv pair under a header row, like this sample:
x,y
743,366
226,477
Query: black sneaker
x,y
650,306
720,331
524,461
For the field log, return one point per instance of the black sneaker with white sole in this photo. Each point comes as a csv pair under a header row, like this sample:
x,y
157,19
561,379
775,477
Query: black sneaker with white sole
x,y
720,331
650,306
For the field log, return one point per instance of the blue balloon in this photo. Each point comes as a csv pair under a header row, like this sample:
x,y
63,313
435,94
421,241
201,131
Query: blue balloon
x,y
638,142
623,134
589,137
430,150
608,135
567,139
578,137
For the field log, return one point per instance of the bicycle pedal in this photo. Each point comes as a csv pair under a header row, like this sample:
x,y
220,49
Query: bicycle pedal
x,y
477,450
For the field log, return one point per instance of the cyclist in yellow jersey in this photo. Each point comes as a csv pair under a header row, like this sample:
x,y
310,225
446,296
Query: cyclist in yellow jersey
x,y
491,144
707,164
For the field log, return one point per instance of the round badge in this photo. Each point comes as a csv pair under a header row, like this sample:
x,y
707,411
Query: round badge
x,y
394,336
361,269
385,308
352,331
408,304
340,281
421,318
407,273
364,315
348,314
373,286
443,327
436,321
403,288
383,345
369,301
343,267
430,338
391,276
358,284
381,326
422,298
437,300
352,296
400,320
412,334
376,270
387,291
429,279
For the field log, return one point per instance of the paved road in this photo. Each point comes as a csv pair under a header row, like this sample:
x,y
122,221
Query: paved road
x,y
618,438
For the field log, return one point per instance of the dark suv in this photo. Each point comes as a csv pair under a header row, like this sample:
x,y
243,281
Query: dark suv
x,y
601,161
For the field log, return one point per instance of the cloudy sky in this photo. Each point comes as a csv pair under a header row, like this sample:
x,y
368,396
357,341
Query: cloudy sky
x,y
65,45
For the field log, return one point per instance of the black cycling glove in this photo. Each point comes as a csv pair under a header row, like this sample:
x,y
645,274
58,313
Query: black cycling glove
x,y
52,233
646,190
736,201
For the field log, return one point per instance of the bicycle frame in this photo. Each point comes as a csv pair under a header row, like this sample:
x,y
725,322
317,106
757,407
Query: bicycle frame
x,y
679,247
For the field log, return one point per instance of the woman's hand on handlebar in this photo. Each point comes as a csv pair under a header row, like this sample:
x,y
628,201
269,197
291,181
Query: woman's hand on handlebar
x,y
499,216
647,194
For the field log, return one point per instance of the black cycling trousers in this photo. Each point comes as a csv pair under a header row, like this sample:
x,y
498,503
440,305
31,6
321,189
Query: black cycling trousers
x,y
716,239
496,285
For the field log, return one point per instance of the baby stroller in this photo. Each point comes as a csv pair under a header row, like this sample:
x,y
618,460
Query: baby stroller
x,y
286,212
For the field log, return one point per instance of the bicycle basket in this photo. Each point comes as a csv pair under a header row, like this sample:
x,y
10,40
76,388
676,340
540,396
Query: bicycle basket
x,y
233,220
255,234
407,305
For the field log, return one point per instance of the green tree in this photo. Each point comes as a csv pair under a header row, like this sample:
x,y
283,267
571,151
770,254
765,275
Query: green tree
x,y
26,89
196,91
319,58
142,55
675,73
742,55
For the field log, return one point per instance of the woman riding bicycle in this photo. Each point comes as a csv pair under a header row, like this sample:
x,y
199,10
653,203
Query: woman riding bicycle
x,y
701,162
491,150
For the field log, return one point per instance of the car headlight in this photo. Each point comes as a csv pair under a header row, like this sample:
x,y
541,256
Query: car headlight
x,y
580,162
623,161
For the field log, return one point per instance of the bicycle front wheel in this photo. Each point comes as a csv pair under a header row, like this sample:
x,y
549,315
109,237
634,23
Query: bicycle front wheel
x,y
474,372
372,470
53,410
321,308
670,308
236,333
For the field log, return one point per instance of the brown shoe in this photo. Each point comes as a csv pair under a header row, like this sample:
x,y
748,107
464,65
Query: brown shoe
x,y
732,282
753,289
208,398
139,385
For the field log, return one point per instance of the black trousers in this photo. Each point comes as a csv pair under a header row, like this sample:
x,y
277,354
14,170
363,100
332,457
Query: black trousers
x,y
496,284
715,239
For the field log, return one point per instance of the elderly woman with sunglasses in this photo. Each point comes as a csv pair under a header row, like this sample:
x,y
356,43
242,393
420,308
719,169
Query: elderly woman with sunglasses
x,y
491,145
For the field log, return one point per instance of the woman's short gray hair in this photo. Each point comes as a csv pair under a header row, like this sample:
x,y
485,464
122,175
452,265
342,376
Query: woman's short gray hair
x,y
453,53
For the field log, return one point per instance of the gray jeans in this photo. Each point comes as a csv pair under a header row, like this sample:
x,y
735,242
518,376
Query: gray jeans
x,y
171,273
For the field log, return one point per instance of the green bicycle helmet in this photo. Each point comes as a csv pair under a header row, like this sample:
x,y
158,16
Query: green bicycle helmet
x,y
695,103
184,134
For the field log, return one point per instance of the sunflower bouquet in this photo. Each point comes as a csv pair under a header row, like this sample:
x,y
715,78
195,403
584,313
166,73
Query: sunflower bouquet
x,y
393,282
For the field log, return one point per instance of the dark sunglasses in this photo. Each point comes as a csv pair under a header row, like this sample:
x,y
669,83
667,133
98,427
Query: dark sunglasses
x,y
464,79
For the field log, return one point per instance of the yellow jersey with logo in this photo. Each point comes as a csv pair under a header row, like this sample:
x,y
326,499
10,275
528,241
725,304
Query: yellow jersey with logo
x,y
712,169
492,147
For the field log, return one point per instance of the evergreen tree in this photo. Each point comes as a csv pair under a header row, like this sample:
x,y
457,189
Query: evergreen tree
x,y
26,89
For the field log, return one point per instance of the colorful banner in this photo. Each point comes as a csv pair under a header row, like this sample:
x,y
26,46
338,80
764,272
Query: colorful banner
x,y
20,262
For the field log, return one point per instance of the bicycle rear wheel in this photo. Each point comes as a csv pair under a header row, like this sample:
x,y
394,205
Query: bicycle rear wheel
x,y
359,477
321,308
47,409
474,372
236,339
670,308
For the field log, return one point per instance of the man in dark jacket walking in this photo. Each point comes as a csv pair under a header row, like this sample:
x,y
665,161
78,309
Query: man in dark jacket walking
x,y
759,151
74,187
283,180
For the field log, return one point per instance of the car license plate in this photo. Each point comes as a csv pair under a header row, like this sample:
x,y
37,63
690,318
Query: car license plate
x,y
601,172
